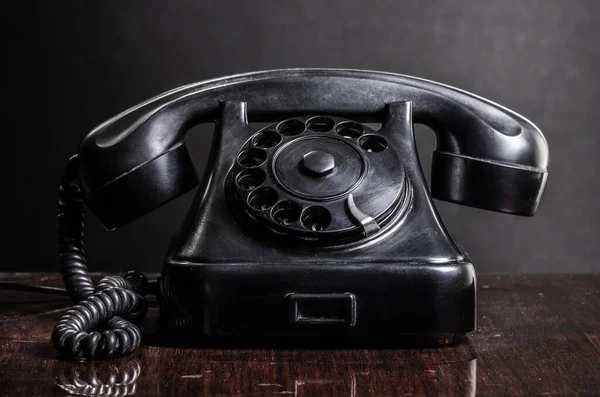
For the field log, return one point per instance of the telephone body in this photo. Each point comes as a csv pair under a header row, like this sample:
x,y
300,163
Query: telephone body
x,y
316,225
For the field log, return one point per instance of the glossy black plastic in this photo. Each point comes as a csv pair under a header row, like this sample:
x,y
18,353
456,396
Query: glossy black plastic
x,y
236,269
226,275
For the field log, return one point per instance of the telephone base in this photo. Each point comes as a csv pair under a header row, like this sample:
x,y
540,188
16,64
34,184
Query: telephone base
x,y
350,300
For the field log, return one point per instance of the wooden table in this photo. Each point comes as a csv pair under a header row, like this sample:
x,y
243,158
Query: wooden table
x,y
537,335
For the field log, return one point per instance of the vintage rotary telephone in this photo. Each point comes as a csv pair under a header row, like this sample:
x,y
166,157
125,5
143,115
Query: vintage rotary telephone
x,y
316,225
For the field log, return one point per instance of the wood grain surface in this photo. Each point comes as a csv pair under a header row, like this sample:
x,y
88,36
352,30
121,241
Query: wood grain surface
x,y
537,335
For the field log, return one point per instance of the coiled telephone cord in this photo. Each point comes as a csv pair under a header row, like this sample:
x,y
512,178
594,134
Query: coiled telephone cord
x,y
102,323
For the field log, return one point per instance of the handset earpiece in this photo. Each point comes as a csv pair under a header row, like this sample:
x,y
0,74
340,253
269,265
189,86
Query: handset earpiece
x,y
143,188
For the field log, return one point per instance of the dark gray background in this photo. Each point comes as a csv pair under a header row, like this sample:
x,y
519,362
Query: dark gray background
x,y
73,64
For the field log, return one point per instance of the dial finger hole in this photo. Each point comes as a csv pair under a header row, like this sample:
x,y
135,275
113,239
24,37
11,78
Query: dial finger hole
x,y
286,212
291,127
320,124
252,158
373,143
350,129
266,139
316,218
263,198
251,178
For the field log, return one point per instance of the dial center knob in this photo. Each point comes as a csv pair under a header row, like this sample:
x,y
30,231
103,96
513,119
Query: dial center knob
x,y
318,167
318,163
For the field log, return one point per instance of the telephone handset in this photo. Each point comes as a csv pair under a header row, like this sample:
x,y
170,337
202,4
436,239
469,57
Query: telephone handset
x,y
316,225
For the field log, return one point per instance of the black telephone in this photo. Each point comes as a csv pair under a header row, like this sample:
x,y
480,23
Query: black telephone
x,y
314,226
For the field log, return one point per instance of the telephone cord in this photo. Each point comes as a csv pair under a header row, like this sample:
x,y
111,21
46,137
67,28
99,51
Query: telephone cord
x,y
102,322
